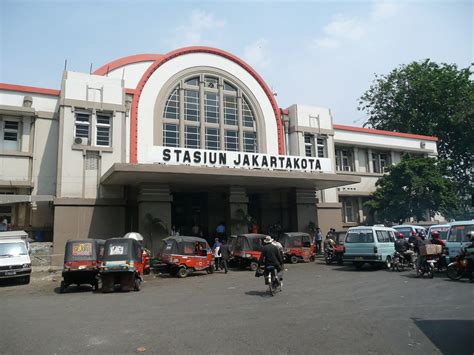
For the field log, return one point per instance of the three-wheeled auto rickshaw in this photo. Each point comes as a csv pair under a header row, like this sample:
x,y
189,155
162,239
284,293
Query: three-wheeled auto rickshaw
x,y
81,263
297,247
248,249
184,255
146,253
122,265
339,247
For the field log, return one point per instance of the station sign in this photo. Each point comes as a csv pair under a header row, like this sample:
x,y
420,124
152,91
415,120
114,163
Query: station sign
x,y
236,160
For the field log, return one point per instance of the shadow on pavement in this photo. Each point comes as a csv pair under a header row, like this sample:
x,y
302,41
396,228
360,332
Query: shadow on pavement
x,y
258,293
351,268
449,336
75,289
11,282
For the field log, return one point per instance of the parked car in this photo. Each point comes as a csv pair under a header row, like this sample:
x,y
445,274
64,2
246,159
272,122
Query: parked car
x,y
297,247
15,260
458,238
369,244
408,230
442,229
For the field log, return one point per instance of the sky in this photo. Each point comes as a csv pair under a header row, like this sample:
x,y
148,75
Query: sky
x,y
316,53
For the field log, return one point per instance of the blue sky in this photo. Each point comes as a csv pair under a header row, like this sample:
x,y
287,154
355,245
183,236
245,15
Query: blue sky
x,y
319,53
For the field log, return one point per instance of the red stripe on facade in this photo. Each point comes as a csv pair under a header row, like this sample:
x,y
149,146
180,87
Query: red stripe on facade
x,y
126,61
29,89
198,49
385,133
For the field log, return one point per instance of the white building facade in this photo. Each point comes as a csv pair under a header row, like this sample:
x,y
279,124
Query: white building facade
x,y
192,137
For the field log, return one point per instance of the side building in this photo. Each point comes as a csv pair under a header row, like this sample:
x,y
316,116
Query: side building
x,y
192,137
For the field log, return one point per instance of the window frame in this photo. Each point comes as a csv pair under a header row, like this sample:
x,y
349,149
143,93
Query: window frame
x,y
103,125
4,130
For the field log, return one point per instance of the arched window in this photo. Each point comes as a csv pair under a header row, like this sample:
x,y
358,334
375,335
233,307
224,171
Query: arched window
x,y
207,111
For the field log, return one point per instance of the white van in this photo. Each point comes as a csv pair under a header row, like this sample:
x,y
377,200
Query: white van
x,y
14,256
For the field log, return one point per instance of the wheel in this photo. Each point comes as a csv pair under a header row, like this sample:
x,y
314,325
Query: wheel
x,y
294,259
419,273
147,271
253,266
137,283
210,269
358,265
431,272
62,287
453,272
388,262
400,267
182,272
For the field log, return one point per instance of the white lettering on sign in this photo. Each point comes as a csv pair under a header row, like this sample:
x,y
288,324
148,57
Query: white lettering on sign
x,y
220,159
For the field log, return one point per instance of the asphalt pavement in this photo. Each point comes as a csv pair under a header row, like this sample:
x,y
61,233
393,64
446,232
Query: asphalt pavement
x,y
321,310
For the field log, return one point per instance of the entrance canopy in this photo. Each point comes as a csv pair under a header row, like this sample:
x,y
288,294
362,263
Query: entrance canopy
x,y
182,175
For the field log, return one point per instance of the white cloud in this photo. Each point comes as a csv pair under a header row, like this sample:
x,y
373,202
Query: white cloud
x,y
199,25
256,53
383,9
344,29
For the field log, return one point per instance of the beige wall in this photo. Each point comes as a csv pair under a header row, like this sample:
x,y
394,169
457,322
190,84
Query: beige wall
x,y
82,222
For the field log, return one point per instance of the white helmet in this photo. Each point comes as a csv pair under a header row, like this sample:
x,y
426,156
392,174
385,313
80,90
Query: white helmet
x,y
134,235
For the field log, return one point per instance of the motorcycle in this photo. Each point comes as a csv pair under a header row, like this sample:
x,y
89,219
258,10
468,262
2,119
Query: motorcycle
x,y
400,262
329,256
442,265
427,266
458,268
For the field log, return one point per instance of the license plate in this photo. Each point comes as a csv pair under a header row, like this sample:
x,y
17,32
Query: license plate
x,y
359,258
10,273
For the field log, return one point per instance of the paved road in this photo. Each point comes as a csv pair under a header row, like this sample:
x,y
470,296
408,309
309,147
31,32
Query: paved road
x,y
322,309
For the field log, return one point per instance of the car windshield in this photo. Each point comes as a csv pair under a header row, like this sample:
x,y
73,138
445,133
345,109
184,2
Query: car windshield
x,y
360,236
459,233
443,231
13,249
406,231
255,243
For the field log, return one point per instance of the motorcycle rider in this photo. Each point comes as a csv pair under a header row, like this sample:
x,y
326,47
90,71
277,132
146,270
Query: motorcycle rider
x,y
271,256
468,250
403,247
436,239
329,244
420,241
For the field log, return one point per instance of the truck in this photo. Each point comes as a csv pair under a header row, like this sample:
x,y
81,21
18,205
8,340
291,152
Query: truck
x,y
15,262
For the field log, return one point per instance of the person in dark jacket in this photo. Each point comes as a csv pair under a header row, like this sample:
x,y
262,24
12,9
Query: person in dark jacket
x,y
271,256
225,254
403,247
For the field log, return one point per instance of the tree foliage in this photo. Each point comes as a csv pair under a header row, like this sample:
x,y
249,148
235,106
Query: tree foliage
x,y
413,187
430,99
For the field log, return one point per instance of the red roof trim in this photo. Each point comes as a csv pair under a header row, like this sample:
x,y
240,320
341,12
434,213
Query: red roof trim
x,y
121,62
29,89
197,49
385,133
130,91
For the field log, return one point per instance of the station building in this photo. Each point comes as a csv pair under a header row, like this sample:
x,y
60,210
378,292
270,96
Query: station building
x,y
194,136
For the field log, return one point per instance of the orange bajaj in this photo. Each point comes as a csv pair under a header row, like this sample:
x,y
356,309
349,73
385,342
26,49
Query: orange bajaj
x,y
184,255
122,265
81,263
297,247
247,250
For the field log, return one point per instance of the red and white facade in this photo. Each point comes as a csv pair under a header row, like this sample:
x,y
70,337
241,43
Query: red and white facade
x,y
138,140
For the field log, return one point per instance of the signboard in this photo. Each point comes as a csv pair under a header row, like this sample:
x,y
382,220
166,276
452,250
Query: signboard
x,y
82,249
238,160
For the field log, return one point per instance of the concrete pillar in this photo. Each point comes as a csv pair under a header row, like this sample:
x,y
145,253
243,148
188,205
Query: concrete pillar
x,y
356,159
154,214
238,209
329,216
361,210
369,161
305,208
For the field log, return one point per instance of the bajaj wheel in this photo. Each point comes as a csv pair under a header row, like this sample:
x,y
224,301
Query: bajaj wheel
x,y
62,287
453,272
294,259
210,269
182,272
253,266
136,285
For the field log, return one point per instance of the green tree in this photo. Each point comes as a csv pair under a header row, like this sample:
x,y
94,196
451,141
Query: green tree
x,y
413,188
431,99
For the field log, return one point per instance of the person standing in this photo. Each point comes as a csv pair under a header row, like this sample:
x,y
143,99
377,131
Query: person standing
x,y
318,238
225,254
217,253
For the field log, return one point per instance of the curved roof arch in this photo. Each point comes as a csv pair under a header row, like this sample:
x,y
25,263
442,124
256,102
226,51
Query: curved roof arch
x,y
198,49
122,62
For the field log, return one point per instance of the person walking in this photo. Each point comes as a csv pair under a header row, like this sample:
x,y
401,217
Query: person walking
x,y
217,253
225,254
318,238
